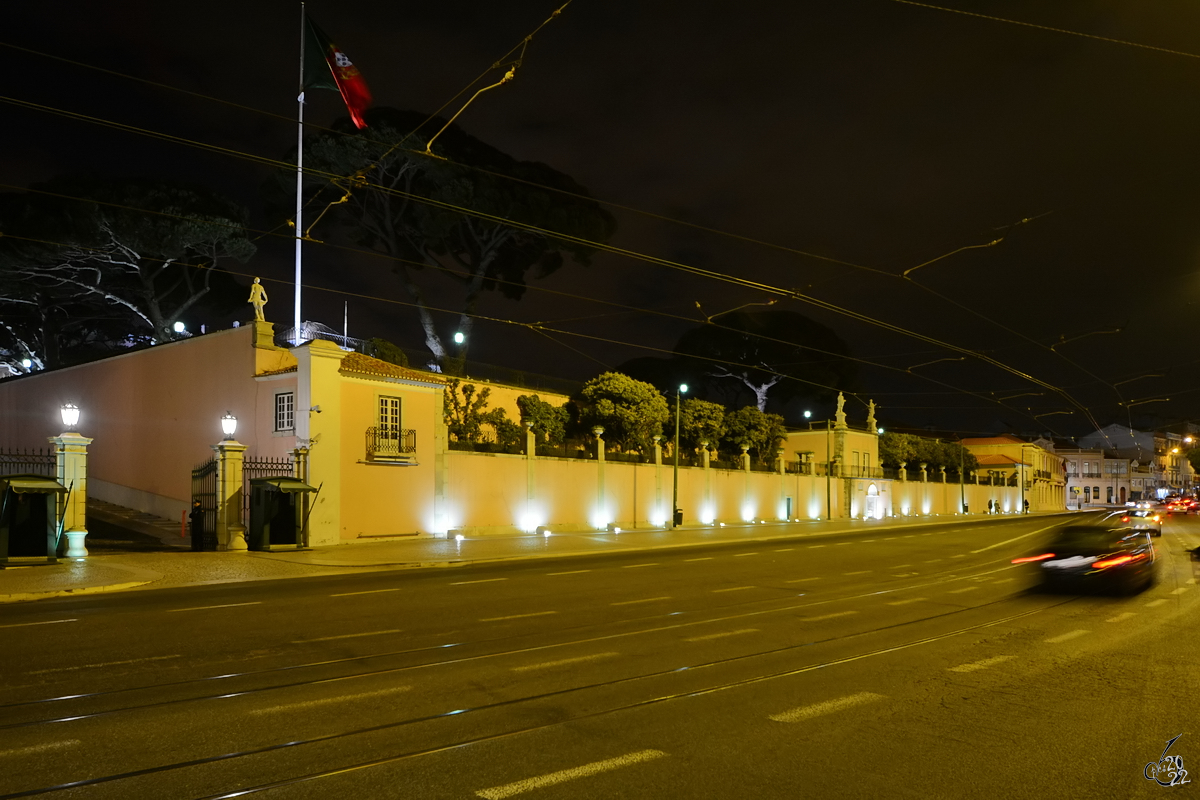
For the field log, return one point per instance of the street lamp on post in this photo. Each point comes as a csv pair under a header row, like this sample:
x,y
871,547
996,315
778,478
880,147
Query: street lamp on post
x,y
70,416
676,514
229,425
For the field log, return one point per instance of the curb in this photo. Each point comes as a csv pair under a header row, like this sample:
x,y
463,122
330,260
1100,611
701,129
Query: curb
x,y
25,597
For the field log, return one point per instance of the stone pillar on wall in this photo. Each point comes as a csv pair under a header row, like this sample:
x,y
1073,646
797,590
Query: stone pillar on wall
x,y
600,507
902,473
300,471
70,450
658,500
942,470
746,457
530,455
231,533
924,472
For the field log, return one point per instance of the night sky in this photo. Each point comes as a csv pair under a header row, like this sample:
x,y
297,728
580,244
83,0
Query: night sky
x,y
822,147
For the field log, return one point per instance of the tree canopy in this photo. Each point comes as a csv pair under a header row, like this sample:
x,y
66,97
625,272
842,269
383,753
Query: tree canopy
x,y
632,412
897,448
472,215
89,262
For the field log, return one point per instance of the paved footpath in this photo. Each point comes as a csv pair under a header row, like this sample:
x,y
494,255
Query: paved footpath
x,y
178,566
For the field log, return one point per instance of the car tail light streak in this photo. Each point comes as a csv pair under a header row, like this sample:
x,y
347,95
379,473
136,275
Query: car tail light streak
x,y
1027,559
1116,561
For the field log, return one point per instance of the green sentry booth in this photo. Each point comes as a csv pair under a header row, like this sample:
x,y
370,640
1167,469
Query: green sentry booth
x,y
29,517
276,512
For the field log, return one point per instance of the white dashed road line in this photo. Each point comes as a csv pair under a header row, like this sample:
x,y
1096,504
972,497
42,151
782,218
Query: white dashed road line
x,y
1066,637
964,589
734,589
706,558
563,662
518,616
860,572
828,707
206,608
481,580
39,748
520,787
1180,590
345,636
1156,603
47,622
828,616
785,550
103,664
325,701
572,572
710,636
370,591
802,580
741,555
984,664
644,600
906,602
635,566
1121,617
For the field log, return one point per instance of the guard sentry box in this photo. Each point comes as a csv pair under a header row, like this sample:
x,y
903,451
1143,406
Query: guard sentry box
x,y
29,517
276,513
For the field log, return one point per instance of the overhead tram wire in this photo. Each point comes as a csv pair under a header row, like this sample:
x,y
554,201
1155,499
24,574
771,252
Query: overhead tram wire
x,y
711,274
335,180
544,330
1050,28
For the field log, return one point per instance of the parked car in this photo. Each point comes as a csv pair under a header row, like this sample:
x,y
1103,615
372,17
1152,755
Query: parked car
x,y
1143,519
1096,557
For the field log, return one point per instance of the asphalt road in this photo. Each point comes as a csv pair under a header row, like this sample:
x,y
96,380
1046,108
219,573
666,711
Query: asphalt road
x,y
902,663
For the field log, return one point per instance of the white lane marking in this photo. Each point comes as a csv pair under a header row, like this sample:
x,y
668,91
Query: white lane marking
x,y
330,700
1190,581
960,555
104,664
827,707
889,538
706,558
518,616
734,589
1121,617
865,541
802,580
1180,590
47,622
964,589
1156,603
520,787
860,572
741,555
1066,637
837,544
828,616
815,546
481,580
644,600
369,591
1016,538
901,566
984,664
345,636
572,572
933,561
39,748
563,661
785,550
635,566
206,608
709,636
906,602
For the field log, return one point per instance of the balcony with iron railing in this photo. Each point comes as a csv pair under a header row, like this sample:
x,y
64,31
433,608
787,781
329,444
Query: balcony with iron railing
x,y
391,444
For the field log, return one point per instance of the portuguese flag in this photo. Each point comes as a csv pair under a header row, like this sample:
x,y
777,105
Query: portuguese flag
x,y
326,67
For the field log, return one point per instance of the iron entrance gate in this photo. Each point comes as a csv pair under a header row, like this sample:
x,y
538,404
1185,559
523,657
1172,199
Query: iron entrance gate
x,y
204,489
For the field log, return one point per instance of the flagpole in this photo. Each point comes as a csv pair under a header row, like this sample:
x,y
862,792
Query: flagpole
x,y
296,338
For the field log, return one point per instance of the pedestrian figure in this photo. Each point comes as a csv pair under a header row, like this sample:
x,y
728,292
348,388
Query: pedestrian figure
x,y
258,299
196,518
991,505
1026,506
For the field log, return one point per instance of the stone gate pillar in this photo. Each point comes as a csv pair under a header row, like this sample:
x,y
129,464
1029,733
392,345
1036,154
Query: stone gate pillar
x,y
231,533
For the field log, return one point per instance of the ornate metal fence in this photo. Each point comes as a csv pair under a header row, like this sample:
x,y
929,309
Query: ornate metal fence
x,y
204,489
33,462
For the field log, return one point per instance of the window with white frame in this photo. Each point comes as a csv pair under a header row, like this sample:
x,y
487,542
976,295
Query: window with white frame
x,y
389,415
285,411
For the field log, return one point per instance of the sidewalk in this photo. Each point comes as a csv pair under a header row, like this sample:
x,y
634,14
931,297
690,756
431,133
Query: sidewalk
x,y
178,566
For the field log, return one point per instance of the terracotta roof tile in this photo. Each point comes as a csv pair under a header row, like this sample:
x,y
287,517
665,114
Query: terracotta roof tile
x,y
365,365
280,371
